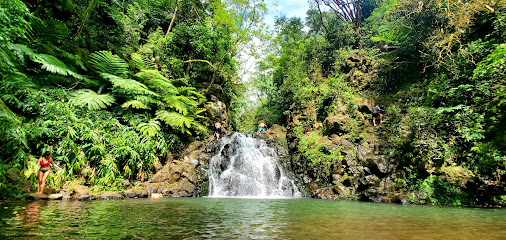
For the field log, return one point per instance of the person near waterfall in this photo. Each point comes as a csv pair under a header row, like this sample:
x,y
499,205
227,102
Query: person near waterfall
x,y
217,131
377,112
262,127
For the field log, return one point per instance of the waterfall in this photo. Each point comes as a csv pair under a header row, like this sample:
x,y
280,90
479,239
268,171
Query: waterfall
x,y
247,167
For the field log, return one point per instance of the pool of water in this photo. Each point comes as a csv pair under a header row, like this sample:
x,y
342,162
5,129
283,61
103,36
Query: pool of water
x,y
214,218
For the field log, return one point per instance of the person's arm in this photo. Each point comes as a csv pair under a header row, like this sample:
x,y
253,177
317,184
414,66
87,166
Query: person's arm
x,y
56,166
37,167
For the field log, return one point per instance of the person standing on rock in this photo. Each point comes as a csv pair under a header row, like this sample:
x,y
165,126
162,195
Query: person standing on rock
x,y
43,172
217,131
376,112
262,127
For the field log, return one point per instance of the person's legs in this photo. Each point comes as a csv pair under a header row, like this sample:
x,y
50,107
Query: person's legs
x,y
381,118
374,121
40,176
44,177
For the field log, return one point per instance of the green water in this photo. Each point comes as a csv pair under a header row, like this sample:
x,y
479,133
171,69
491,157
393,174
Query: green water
x,y
207,218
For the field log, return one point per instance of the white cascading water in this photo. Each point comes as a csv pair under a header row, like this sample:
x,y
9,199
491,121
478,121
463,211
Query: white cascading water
x,y
247,167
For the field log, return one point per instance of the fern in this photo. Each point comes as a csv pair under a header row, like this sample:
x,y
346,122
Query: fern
x,y
106,62
175,120
94,101
156,80
182,104
150,128
142,62
6,113
134,104
128,84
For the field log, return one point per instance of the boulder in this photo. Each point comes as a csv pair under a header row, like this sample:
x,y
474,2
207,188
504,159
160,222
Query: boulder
x,y
111,196
38,196
13,175
174,172
276,133
339,123
48,190
141,192
56,196
25,186
82,193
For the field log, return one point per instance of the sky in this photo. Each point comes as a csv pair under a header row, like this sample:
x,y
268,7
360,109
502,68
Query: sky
x,y
288,8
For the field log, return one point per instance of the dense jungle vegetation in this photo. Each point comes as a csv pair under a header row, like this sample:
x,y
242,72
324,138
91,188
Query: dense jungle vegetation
x,y
438,69
113,86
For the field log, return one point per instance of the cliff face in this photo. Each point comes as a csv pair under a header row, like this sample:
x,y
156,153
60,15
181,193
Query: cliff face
x,y
364,167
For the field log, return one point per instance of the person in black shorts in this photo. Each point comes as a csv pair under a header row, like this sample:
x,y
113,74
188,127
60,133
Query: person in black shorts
x,y
217,131
376,112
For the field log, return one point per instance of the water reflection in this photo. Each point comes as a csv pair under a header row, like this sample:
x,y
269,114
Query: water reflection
x,y
212,218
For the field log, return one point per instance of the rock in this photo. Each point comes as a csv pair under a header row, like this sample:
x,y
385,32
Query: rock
x,y
56,196
111,196
136,193
173,171
337,124
276,133
82,193
126,184
25,186
38,196
13,175
217,111
48,190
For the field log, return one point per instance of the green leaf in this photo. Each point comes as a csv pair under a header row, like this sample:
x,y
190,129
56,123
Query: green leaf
x,y
106,62
134,104
150,128
89,98
174,119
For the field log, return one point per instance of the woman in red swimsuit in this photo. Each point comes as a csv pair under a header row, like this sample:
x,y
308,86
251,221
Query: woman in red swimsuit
x,y
44,163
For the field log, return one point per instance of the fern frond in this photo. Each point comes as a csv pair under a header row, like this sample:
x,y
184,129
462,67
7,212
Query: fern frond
x,y
148,100
106,62
54,65
199,111
175,120
182,104
128,84
134,104
199,96
94,101
156,80
142,62
150,128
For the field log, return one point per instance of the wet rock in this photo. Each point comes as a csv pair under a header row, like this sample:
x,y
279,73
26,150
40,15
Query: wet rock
x,y
141,192
56,196
82,193
275,133
37,196
126,184
111,196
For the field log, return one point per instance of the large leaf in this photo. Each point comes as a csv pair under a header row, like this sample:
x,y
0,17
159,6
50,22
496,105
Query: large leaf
x,y
54,65
134,104
154,79
142,62
106,62
94,101
174,119
128,84
150,128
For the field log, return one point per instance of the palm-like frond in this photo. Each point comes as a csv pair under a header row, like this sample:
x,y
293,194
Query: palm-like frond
x,y
134,104
150,128
142,62
106,62
94,101
175,120
54,65
127,84
154,79
182,104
